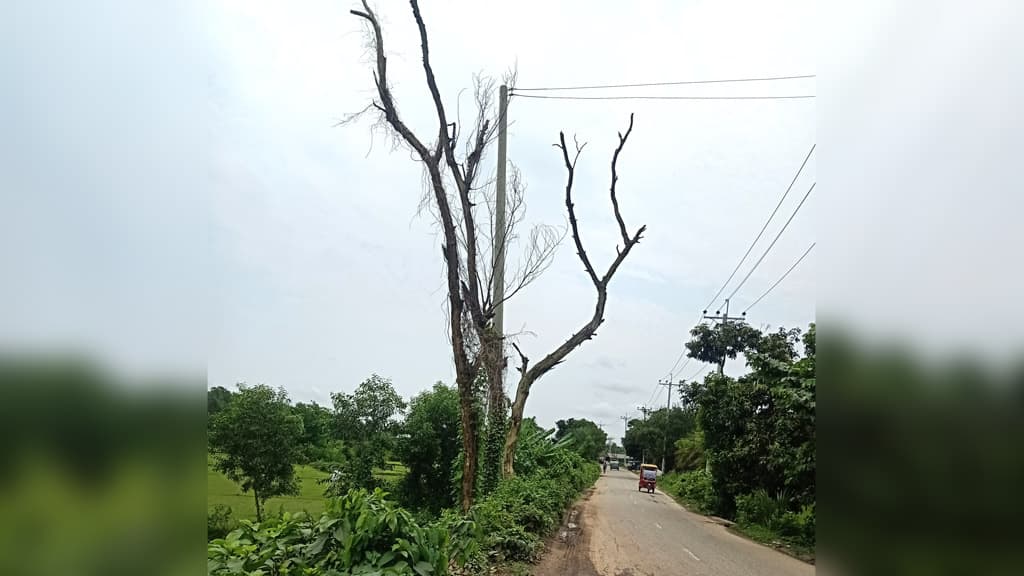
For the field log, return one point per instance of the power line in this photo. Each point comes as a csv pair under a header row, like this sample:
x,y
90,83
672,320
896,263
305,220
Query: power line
x,y
653,392
656,395
751,247
633,97
777,282
647,84
769,249
676,363
763,228
699,372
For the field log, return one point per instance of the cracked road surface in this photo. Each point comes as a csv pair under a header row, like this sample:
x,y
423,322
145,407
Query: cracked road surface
x,y
631,533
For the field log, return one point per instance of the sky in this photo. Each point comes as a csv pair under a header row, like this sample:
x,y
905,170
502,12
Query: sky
x,y
314,268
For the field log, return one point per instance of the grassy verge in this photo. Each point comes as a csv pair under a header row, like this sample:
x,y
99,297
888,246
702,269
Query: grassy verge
x,y
221,490
763,535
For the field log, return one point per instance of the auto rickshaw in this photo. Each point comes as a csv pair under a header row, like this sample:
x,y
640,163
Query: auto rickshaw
x,y
648,478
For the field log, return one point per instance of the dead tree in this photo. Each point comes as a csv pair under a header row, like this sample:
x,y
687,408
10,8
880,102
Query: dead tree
x,y
455,191
530,374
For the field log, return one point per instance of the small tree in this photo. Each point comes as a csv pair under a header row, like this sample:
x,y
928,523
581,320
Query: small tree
x,y
429,447
714,344
256,439
366,421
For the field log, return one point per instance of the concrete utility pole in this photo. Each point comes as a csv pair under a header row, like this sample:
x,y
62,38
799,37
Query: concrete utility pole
x,y
724,318
645,410
668,413
643,449
500,228
625,428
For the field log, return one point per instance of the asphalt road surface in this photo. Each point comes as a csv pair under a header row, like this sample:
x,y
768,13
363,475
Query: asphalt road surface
x,y
631,533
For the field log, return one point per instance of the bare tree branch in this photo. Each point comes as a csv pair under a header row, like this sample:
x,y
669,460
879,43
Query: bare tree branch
x,y
588,330
570,167
615,179
387,105
524,361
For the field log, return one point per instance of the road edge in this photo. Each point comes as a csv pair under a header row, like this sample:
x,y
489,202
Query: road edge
x,y
734,528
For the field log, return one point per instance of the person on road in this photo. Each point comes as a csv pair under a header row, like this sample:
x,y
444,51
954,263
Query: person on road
x,y
604,466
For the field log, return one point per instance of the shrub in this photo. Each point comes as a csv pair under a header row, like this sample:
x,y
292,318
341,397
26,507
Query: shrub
x,y
359,533
757,508
798,527
693,488
219,522
523,509
697,489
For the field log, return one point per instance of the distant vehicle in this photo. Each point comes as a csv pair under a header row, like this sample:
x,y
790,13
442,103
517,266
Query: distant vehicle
x,y
633,466
614,464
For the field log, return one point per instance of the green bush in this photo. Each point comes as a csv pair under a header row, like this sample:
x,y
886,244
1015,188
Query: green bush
x,y
359,533
219,522
798,527
760,511
693,488
522,510
757,508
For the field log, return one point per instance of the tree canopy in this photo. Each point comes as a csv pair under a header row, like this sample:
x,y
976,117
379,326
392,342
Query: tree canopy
x,y
714,344
217,398
367,421
317,429
586,438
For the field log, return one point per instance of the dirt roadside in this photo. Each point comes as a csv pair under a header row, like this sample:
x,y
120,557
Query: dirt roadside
x,y
567,552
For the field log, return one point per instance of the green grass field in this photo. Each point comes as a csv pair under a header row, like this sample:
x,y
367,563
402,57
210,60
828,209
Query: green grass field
x,y
221,490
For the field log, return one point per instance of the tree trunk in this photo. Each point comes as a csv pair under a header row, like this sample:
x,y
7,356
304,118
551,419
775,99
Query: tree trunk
x,y
493,366
467,412
259,510
514,425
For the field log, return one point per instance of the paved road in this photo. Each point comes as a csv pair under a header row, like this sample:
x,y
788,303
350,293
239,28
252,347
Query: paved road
x,y
633,533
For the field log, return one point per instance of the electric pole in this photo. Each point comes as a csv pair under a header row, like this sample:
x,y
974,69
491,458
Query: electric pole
x,y
645,410
625,428
724,318
668,413
643,449
601,425
500,228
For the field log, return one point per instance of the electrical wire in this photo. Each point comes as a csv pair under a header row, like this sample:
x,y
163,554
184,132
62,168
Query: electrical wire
x,y
655,396
769,249
681,354
698,373
777,282
648,84
633,97
763,228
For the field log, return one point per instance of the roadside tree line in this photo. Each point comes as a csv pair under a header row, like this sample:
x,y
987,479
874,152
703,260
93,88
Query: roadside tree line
x,y
743,448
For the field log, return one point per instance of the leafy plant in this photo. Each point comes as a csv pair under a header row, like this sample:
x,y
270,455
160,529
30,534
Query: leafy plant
x,y
360,533
219,522
758,508
523,509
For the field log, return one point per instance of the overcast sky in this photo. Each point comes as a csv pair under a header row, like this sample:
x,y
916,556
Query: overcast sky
x,y
320,270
